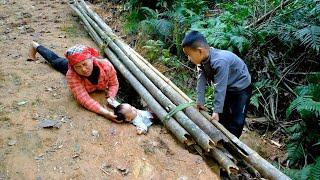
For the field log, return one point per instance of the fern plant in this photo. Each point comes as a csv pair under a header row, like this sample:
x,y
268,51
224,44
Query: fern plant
x,y
310,37
297,24
310,172
304,137
224,36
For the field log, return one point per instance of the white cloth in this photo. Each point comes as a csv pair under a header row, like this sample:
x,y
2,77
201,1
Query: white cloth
x,y
114,103
143,120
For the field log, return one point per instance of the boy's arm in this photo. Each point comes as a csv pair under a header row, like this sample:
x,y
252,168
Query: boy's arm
x,y
201,87
221,83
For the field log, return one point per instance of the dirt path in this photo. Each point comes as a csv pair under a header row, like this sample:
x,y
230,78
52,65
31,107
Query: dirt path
x,y
86,146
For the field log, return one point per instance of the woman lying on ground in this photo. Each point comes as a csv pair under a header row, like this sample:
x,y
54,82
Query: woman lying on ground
x,y
85,73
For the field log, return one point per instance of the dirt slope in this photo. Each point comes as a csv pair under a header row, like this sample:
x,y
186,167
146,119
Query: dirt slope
x,y
86,146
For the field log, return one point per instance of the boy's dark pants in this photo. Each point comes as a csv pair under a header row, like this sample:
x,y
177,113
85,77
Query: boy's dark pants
x,y
58,63
235,110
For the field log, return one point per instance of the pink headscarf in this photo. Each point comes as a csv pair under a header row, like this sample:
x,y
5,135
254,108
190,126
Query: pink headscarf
x,y
79,53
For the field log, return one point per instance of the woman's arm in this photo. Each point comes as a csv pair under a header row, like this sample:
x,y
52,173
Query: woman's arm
x,y
82,97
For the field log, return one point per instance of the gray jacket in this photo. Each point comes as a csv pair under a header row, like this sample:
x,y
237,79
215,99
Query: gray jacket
x,y
227,71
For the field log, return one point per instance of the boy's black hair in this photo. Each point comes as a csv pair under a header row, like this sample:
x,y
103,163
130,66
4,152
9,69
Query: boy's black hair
x,y
118,111
194,39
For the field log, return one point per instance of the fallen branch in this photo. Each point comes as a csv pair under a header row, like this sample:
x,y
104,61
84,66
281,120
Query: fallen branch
x,y
267,15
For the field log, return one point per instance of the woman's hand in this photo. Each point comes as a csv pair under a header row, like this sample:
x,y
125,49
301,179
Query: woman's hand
x,y
109,115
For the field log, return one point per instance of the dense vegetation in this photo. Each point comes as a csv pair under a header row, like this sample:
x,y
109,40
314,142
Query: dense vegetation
x,y
279,41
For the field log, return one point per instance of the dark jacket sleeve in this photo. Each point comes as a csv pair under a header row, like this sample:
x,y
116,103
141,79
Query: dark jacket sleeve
x,y
220,84
201,87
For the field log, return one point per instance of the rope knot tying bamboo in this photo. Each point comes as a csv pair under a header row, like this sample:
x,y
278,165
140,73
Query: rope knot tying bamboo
x,y
177,109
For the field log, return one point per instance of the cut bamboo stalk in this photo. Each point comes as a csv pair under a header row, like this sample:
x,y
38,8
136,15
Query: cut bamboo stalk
x,y
266,169
175,128
263,166
200,137
228,165
129,51
257,159
191,112
220,157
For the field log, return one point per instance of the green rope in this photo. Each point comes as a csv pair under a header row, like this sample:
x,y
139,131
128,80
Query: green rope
x,y
176,109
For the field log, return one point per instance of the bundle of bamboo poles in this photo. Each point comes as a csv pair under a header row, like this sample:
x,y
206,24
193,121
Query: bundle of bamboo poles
x,y
189,126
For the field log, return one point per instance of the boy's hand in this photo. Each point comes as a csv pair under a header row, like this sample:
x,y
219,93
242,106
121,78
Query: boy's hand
x,y
215,117
201,107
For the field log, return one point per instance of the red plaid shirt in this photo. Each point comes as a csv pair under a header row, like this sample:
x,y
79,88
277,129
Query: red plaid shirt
x,y
81,86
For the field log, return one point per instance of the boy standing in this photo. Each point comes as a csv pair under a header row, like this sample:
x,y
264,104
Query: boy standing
x,y
231,79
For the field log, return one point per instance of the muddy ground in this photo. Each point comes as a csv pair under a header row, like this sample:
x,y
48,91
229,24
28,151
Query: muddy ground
x,y
86,146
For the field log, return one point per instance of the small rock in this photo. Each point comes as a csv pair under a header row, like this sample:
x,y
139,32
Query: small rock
x,y
26,15
123,171
76,155
12,142
107,168
40,157
142,169
30,30
49,89
46,123
16,56
113,131
183,178
95,133
7,31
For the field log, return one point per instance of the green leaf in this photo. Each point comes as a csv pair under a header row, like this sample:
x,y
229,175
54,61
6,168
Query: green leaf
x,y
315,170
254,100
21,103
310,37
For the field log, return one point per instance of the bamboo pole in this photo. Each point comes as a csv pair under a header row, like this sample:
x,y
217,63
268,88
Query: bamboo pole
x,y
250,156
200,137
220,157
191,112
175,128
131,53
256,159
229,165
